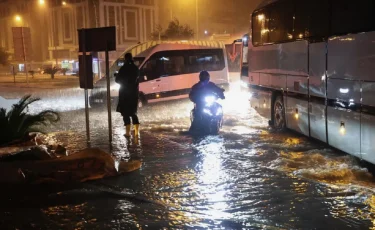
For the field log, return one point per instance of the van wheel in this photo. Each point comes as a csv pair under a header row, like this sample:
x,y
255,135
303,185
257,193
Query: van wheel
x,y
141,101
279,113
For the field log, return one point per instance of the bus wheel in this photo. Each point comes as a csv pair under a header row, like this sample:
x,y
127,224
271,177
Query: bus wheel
x,y
279,113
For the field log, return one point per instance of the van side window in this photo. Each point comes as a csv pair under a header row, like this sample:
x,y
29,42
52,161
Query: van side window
x,y
350,16
210,61
152,69
173,65
163,64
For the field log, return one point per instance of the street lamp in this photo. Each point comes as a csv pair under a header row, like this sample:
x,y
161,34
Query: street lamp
x,y
18,18
63,3
196,18
41,2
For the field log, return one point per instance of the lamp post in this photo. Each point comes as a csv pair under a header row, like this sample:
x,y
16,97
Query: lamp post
x,y
18,20
42,8
197,18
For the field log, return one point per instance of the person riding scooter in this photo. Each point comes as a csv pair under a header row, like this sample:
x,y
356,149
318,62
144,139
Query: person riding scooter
x,y
203,88
198,94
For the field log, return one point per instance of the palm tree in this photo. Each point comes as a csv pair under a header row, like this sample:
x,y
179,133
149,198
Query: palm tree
x,y
17,123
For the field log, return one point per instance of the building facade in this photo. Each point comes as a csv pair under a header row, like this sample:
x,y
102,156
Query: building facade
x,y
54,25
209,17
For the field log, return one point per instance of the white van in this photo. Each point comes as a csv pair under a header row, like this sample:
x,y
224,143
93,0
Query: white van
x,y
168,70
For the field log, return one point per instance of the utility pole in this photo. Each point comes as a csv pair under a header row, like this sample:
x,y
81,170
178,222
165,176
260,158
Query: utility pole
x,y
197,18
24,54
97,26
56,56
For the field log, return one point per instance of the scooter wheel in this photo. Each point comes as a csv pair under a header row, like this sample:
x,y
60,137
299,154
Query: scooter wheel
x,y
214,128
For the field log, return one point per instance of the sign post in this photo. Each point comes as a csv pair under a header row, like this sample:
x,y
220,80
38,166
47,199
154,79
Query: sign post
x,y
86,91
108,93
96,40
22,46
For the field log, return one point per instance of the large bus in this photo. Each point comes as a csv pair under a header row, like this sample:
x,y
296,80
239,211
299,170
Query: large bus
x,y
311,68
168,69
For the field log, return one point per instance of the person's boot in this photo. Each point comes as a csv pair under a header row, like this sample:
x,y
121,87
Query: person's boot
x,y
136,140
127,131
136,130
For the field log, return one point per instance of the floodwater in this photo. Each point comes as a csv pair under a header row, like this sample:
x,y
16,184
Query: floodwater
x,y
248,177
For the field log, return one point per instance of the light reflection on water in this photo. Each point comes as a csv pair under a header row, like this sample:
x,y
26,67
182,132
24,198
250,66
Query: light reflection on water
x,y
247,177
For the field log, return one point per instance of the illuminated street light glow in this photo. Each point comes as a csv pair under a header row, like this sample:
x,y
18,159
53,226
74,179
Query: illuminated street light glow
x,y
260,17
264,31
206,32
41,2
18,18
64,3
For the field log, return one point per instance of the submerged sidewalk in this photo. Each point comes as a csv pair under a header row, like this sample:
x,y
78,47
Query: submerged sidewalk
x,y
35,85
40,81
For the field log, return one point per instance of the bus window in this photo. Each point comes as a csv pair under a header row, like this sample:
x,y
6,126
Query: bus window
x,y
260,27
311,20
281,21
350,16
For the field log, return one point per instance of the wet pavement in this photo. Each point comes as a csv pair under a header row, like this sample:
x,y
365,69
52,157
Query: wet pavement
x,y
248,177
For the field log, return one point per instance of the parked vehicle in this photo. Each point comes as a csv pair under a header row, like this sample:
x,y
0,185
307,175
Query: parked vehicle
x,y
168,70
311,69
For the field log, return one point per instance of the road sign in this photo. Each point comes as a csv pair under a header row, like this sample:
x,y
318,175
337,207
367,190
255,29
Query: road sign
x,y
86,77
22,43
97,39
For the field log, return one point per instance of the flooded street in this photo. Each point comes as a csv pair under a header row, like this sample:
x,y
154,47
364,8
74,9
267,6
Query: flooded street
x,y
248,177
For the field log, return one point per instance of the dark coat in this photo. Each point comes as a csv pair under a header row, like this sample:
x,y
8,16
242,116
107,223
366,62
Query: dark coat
x,y
128,78
202,89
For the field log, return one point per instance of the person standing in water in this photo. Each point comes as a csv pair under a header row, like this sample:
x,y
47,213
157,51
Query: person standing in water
x,y
128,79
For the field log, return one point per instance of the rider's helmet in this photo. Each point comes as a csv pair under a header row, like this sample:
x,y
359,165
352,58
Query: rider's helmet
x,y
204,76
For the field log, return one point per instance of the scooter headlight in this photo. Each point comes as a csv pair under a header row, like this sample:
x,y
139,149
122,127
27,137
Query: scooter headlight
x,y
209,100
207,111
219,111
116,86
